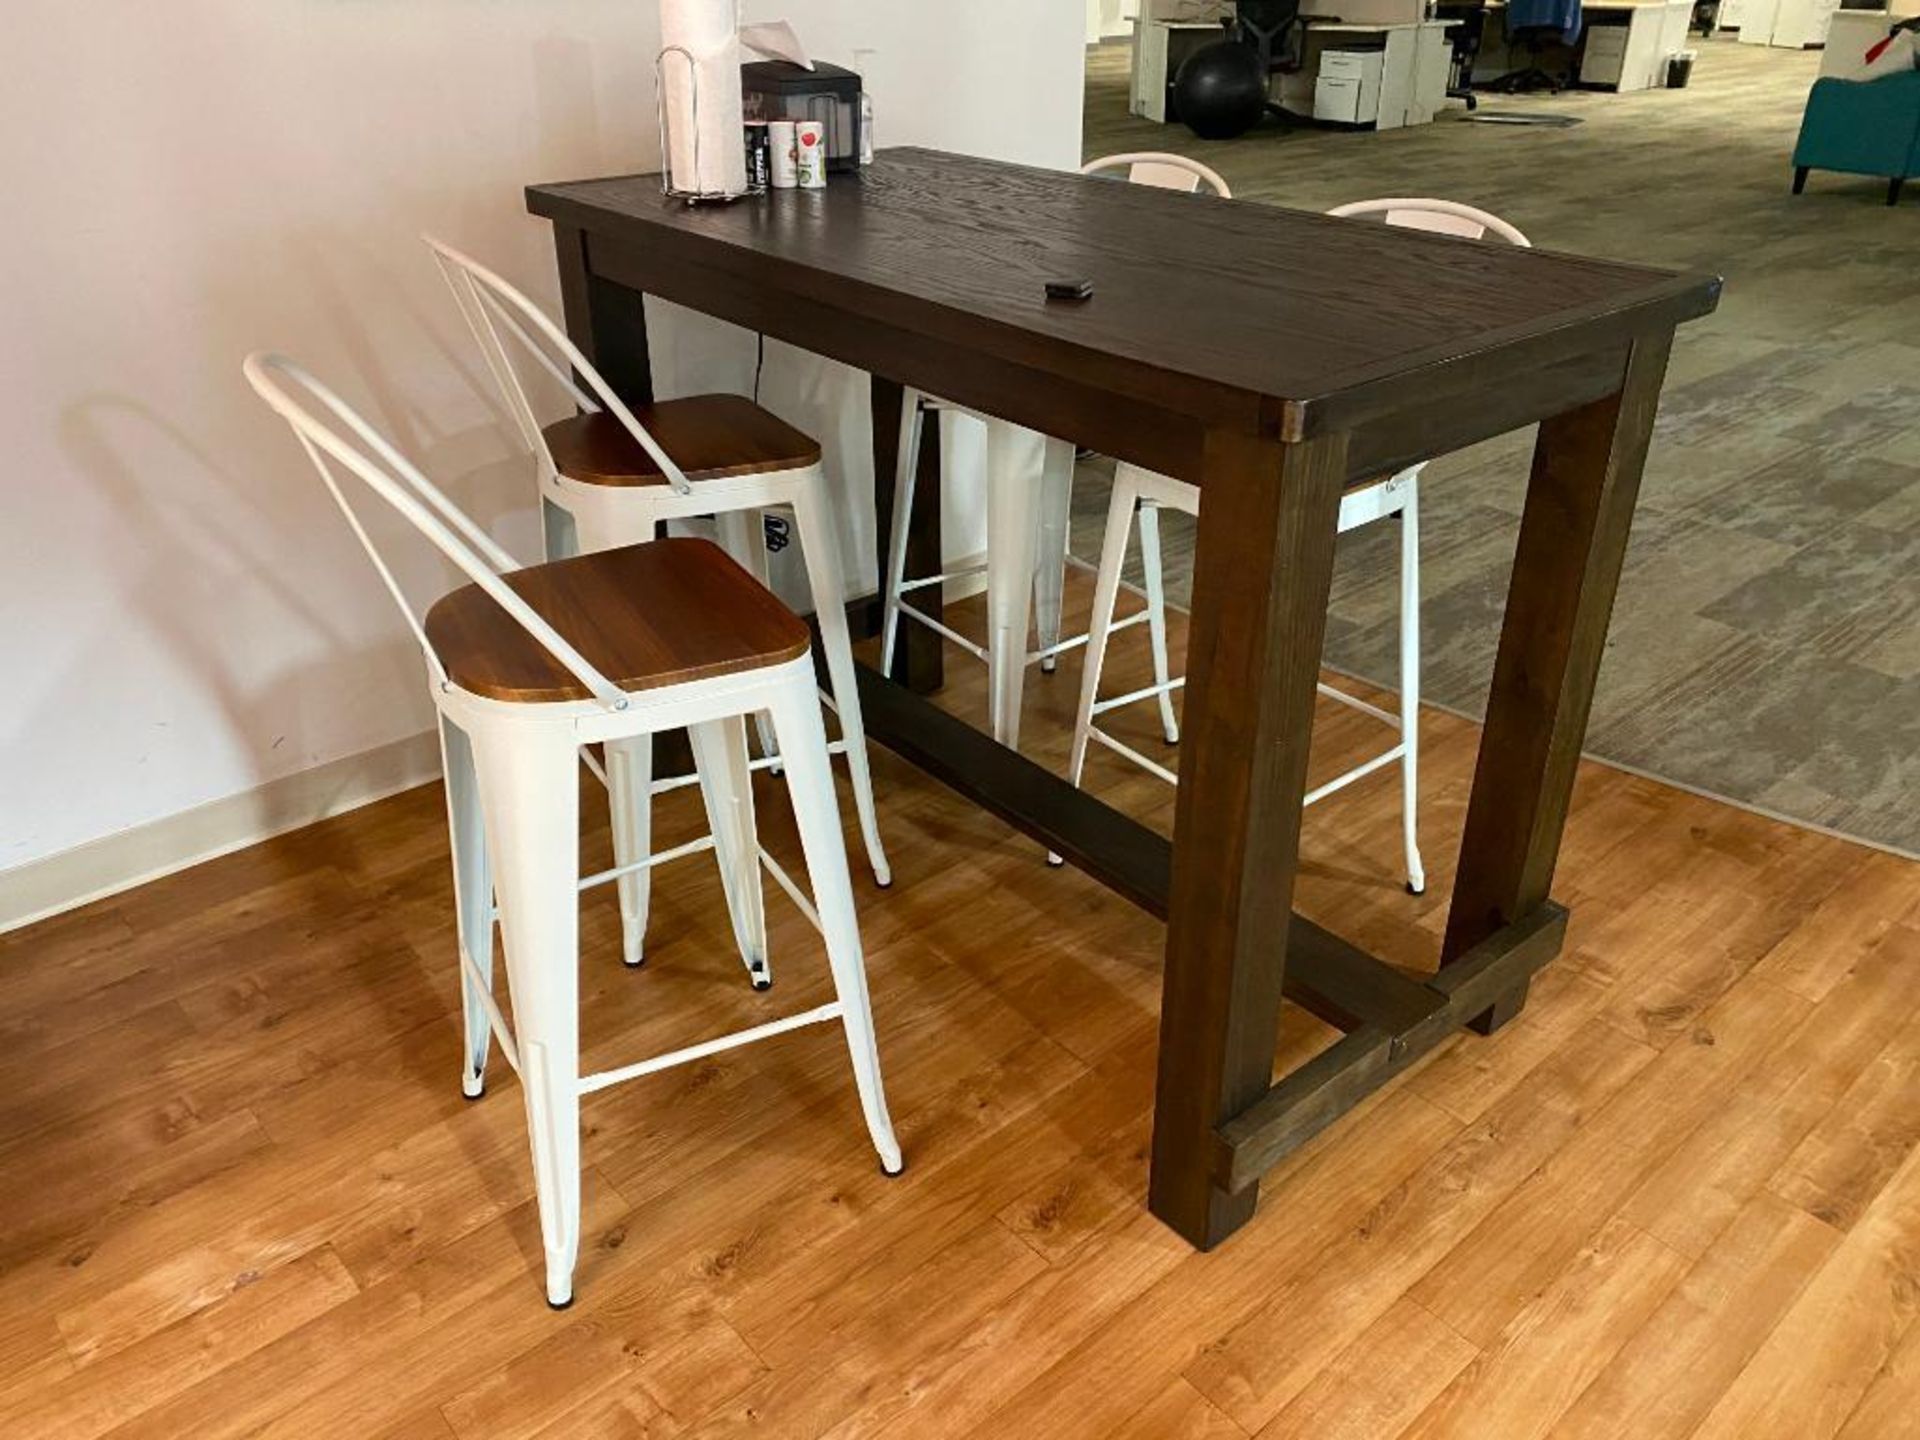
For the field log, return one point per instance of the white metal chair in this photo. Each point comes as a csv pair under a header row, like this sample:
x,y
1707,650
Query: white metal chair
x,y
1027,525
1398,494
1443,217
658,636
1161,168
611,474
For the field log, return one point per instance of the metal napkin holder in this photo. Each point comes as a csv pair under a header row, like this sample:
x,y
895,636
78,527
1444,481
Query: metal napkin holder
x,y
700,195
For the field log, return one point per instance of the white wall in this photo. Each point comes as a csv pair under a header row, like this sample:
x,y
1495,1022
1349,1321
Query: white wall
x,y
182,615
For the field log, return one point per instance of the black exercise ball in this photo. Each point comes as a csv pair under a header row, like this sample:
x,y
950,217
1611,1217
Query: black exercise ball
x,y
1220,92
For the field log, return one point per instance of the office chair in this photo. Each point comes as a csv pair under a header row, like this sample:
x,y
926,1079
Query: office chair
x,y
1532,78
1267,27
1465,36
1535,24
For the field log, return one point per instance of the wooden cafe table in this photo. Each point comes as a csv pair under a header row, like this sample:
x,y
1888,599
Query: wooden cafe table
x,y
1269,356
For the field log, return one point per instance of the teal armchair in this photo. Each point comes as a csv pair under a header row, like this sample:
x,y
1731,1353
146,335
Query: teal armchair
x,y
1862,127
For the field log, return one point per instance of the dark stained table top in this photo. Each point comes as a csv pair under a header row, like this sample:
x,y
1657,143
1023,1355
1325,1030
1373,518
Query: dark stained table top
x,y
1198,302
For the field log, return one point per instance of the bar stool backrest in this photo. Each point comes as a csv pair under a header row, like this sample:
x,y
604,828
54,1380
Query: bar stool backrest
x,y
1162,169
392,477
490,305
1443,217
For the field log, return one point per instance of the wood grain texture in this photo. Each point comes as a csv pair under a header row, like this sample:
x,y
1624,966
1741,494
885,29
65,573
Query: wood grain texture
x,y
708,436
368,1263
1660,1384
1845,1327
1380,1384
644,616
1230,314
1265,1365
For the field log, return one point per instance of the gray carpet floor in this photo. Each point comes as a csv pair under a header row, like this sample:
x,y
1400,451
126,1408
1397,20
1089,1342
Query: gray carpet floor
x,y
1766,643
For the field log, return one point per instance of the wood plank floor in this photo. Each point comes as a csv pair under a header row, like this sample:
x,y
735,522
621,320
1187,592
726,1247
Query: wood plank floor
x,y
1679,1197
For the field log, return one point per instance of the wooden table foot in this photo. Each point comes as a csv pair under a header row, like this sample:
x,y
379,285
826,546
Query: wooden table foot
x,y
1506,1008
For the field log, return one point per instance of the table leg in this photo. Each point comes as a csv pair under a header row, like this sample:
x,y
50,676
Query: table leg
x,y
607,321
1573,540
1261,578
918,658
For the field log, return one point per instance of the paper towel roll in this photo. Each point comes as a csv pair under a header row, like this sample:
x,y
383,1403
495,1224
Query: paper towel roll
x,y
704,144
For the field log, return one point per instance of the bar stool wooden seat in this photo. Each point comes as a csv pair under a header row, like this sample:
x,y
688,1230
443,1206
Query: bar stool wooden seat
x,y
698,621
710,437
615,475
525,667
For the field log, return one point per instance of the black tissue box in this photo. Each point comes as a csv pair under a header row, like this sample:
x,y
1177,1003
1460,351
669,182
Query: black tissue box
x,y
781,90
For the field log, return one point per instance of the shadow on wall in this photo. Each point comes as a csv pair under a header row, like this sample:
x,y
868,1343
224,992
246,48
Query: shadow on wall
x,y
187,546
395,406
195,535
189,564
321,259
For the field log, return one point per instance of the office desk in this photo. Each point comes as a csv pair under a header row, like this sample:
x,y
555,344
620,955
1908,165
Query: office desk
x,y
1159,46
1414,62
1413,87
1269,356
1656,30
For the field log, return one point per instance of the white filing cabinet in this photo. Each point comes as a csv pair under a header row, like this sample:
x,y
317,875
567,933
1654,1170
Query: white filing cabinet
x,y
1406,66
1790,24
1413,74
1603,55
1348,87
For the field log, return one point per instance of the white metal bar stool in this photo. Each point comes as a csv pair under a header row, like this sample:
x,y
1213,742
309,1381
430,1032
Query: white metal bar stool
x,y
609,475
1024,522
656,636
1363,504
1162,169
1027,525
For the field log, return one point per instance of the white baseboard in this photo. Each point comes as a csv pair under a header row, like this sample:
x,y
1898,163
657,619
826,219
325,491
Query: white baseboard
x,y
132,857
113,863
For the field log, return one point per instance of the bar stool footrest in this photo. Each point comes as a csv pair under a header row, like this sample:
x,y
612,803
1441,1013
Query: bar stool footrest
x,y
601,1080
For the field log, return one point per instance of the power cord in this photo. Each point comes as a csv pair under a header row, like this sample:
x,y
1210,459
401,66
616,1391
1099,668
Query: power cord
x,y
775,530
